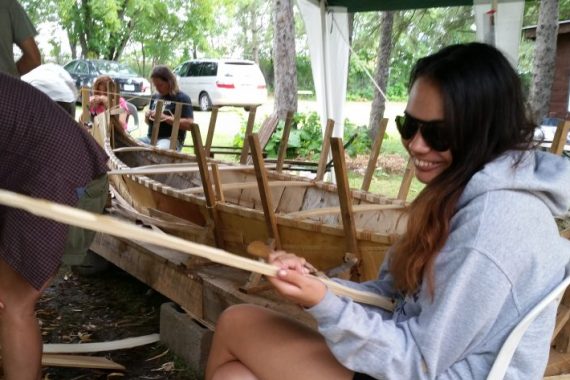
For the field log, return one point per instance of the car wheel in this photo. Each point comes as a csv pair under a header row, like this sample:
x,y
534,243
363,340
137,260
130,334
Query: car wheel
x,y
205,102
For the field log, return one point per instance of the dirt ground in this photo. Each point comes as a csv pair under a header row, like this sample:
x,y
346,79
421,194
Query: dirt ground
x,y
108,306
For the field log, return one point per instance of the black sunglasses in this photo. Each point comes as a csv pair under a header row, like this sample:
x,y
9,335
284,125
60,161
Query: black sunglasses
x,y
433,132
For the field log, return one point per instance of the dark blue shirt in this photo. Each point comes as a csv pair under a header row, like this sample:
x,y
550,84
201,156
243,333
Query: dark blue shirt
x,y
165,129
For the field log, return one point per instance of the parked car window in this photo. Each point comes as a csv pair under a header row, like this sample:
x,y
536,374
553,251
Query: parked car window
x,y
70,67
183,70
81,68
113,68
209,69
194,69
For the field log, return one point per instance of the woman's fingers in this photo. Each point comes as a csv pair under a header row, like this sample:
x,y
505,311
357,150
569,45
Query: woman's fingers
x,y
305,290
286,260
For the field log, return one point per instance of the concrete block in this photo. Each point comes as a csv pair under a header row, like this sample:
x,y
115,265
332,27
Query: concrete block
x,y
186,337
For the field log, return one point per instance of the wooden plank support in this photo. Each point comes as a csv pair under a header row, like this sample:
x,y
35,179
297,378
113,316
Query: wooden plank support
x,y
211,129
156,123
251,185
264,191
284,142
248,131
76,361
252,284
207,184
406,181
345,200
85,113
337,210
321,169
375,152
218,183
559,140
175,126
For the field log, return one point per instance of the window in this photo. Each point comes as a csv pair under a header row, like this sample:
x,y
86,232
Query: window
x,y
194,69
209,69
82,68
183,69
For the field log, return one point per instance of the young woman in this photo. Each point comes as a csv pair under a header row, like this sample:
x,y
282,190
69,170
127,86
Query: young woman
x,y
481,249
167,90
99,102
44,154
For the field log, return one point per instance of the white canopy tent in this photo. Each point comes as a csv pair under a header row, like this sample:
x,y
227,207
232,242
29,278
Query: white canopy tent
x,y
327,33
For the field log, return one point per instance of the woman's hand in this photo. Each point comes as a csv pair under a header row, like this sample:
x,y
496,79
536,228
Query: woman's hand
x,y
293,280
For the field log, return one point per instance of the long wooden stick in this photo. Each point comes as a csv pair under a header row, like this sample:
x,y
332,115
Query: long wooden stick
x,y
248,131
321,169
284,142
175,126
83,348
112,226
211,128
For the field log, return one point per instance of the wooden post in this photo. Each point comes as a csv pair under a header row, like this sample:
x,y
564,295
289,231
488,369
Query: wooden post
x,y
406,181
284,141
218,183
176,126
345,200
559,140
112,103
374,154
207,184
85,114
264,190
248,131
325,151
156,123
211,128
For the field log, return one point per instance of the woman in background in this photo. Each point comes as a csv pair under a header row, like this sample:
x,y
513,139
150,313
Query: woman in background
x,y
481,249
167,90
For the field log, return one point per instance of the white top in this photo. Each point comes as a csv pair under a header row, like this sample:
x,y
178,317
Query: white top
x,y
54,81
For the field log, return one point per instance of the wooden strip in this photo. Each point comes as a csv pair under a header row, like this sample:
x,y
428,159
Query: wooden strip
x,y
321,169
74,361
112,226
171,165
218,183
132,149
148,171
207,184
264,192
336,210
251,185
85,114
406,181
284,142
558,377
62,348
345,199
156,123
175,126
559,140
211,128
371,168
248,131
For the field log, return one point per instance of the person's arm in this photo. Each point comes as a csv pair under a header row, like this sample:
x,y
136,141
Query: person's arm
x,y
426,337
31,57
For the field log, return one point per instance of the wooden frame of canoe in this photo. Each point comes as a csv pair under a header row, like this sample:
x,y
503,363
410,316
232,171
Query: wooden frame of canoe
x,y
307,213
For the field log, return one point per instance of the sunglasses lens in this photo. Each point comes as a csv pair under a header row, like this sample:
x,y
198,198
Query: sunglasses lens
x,y
434,133
436,137
406,126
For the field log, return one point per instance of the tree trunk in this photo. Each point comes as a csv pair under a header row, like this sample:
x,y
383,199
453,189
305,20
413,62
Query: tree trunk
x,y
544,59
382,73
284,58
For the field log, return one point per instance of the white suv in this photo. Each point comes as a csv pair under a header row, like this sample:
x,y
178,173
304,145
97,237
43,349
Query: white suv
x,y
222,82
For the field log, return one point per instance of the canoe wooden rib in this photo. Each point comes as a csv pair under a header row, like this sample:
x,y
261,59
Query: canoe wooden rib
x,y
303,228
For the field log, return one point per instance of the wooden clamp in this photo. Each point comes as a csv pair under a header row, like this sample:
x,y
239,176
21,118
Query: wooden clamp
x,y
175,126
156,122
321,169
248,131
211,128
374,153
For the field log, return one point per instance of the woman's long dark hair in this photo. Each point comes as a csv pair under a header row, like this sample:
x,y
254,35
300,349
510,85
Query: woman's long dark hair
x,y
485,114
163,73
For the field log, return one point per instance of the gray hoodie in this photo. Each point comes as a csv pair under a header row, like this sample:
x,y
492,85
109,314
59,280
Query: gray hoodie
x,y
503,255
